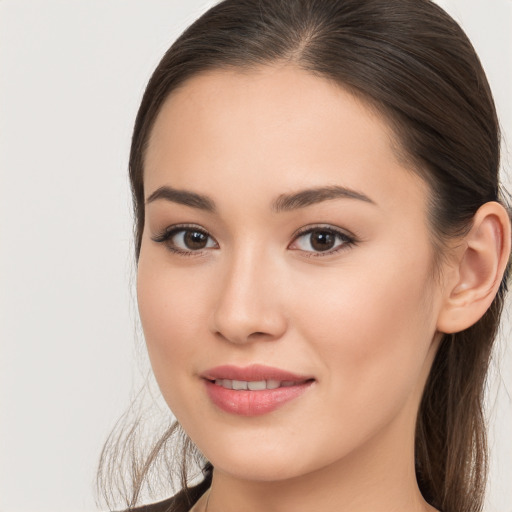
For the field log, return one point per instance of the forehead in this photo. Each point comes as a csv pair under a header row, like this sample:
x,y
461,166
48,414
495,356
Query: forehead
x,y
275,124
274,96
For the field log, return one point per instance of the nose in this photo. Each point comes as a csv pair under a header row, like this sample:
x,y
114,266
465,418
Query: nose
x,y
247,306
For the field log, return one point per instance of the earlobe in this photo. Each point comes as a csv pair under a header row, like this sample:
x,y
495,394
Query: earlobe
x,y
481,262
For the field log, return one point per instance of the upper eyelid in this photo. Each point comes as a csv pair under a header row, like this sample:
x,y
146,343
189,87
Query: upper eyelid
x,y
176,228
170,231
326,227
165,237
303,230
349,241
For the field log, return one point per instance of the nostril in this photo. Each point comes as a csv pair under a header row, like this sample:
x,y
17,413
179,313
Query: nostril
x,y
236,325
258,335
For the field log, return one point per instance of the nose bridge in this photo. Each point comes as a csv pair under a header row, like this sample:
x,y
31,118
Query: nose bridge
x,y
247,305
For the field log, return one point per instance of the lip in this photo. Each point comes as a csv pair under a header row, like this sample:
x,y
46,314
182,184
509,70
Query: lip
x,y
253,403
253,372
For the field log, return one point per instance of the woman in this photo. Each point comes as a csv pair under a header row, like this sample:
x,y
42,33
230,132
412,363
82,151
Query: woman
x,y
322,250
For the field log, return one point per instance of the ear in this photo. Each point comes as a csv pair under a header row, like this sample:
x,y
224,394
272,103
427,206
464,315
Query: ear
x,y
479,266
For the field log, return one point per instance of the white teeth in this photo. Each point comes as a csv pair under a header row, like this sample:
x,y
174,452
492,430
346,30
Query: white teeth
x,y
240,384
272,384
227,384
257,385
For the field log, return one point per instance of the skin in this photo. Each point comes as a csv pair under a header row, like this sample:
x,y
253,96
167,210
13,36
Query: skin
x,y
363,321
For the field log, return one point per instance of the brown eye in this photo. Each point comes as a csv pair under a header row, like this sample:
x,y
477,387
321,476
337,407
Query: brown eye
x,y
321,240
195,240
185,240
190,240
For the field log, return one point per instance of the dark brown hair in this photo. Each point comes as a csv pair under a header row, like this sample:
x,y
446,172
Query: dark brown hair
x,y
414,64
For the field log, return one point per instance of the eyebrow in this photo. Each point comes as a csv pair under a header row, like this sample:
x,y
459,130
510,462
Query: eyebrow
x,y
284,203
303,198
183,197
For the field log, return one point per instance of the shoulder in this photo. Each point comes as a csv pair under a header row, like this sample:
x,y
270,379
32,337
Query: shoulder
x,y
178,503
162,506
181,502
184,500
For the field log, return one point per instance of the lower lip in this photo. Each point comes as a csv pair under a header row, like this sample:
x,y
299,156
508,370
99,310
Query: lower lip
x,y
253,403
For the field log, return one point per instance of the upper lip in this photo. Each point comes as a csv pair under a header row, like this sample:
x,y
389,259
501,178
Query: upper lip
x,y
255,372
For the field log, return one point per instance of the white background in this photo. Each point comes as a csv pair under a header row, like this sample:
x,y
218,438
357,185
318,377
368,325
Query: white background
x,y
71,76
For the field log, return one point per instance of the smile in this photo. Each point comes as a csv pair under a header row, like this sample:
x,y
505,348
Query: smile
x,y
253,390
258,385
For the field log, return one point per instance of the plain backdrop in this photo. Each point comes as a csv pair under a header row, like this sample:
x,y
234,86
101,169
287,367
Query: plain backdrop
x,y
71,76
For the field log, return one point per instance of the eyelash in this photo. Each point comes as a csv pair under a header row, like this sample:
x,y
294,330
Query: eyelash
x,y
165,237
347,239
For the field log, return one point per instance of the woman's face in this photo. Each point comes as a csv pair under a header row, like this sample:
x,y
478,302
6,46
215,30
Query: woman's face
x,y
286,247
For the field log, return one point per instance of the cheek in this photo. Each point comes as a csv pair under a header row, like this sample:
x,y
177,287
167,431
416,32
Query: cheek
x,y
372,327
171,316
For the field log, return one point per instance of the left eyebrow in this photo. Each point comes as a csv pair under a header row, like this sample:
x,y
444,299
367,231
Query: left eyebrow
x,y
303,198
184,197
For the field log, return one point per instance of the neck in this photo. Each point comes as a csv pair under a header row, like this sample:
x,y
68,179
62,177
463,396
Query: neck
x,y
378,476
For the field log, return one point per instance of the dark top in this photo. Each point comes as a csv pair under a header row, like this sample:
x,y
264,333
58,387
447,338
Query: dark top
x,y
162,506
181,502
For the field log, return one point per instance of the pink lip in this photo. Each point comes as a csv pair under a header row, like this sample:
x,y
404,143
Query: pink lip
x,y
253,403
253,372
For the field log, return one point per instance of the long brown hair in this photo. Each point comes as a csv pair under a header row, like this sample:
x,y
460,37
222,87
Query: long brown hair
x,y
414,64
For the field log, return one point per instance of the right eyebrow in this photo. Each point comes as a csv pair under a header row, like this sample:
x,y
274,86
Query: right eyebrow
x,y
182,197
303,198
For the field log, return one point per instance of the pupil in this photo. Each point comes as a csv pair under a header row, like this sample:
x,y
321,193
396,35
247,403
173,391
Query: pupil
x,y
322,240
195,240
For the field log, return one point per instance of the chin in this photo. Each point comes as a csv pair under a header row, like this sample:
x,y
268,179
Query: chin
x,y
254,458
258,469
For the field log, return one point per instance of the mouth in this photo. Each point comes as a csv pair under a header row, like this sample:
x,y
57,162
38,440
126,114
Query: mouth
x,y
253,390
255,385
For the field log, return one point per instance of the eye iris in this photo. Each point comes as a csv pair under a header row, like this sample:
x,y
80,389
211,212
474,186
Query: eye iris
x,y
195,240
322,240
